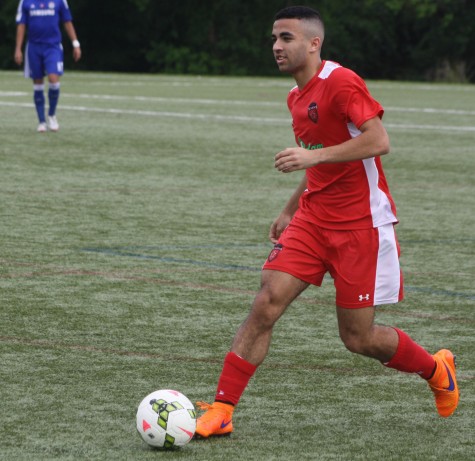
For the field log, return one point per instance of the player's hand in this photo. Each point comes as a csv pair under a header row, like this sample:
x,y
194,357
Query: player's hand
x,y
77,54
18,57
278,226
295,158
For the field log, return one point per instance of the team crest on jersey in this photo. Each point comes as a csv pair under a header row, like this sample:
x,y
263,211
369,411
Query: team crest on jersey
x,y
278,247
51,5
313,112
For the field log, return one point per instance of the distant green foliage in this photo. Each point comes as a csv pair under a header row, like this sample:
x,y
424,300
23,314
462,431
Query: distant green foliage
x,y
385,39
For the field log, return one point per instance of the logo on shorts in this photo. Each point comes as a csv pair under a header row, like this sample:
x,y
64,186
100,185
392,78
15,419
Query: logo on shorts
x,y
364,297
278,247
313,112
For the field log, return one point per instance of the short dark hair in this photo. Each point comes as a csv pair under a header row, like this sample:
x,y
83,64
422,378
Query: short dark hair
x,y
298,12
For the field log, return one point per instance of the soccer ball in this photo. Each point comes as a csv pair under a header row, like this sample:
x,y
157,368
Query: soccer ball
x,y
166,419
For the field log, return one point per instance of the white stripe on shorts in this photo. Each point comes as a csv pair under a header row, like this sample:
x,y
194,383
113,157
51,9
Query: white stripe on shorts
x,y
26,71
388,271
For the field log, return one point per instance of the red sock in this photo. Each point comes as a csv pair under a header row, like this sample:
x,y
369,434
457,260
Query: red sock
x,y
234,378
411,358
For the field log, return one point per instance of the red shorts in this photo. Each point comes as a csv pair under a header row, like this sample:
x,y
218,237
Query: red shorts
x,y
364,264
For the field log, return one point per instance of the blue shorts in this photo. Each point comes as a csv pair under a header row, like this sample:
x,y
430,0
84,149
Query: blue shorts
x,y
43,59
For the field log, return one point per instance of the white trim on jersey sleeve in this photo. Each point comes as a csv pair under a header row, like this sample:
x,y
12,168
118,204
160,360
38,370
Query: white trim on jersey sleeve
x,y
354,132
19,12
328,68
388,272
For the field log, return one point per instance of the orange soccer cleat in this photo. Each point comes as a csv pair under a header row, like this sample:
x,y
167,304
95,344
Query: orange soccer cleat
x,y
217,420
444,383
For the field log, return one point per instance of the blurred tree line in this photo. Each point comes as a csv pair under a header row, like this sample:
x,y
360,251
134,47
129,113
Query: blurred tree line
x,y
380,39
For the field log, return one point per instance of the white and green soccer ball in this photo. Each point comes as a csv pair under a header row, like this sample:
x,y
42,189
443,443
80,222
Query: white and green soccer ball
x,y
166,419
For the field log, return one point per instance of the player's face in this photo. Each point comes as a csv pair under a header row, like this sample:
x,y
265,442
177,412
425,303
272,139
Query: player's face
x,y
290,45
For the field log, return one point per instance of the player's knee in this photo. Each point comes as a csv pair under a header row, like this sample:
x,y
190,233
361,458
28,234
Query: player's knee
x,y
355,343
266,309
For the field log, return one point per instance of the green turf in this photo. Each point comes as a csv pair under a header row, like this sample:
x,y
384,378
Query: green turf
x,y
131,247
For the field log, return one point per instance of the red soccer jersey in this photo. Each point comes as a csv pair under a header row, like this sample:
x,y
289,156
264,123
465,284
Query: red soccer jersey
x,y
329,111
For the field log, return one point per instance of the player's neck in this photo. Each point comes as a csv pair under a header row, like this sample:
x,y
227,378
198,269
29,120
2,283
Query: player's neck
x,y
306,74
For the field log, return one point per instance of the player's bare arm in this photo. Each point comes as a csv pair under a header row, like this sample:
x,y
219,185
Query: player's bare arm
x,y
71,31
284,218
372,142
20,37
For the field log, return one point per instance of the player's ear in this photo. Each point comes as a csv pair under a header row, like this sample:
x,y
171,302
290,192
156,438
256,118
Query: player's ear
x,y
315,44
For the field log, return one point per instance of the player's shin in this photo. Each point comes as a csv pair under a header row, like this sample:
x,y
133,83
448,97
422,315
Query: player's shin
x,y
53,97
234,378
39,100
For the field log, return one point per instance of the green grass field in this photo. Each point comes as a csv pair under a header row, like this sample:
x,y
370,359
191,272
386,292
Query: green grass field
x,y
132,242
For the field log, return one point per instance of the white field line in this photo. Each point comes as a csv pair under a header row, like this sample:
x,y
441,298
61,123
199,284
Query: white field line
x,y
231,118
403,126
137,80
182,82
218,102
153,113
105,97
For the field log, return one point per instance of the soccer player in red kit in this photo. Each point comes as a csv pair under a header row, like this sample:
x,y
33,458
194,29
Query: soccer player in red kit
x,y
339,220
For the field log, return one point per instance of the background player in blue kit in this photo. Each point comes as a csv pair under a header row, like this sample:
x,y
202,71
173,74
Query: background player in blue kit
x,y
44,52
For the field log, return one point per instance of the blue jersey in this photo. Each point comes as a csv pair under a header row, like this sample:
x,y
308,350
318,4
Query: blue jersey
x,y
43,18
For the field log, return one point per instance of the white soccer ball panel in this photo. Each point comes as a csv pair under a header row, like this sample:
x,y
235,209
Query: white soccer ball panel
x,y
166,418
147,425
181,426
